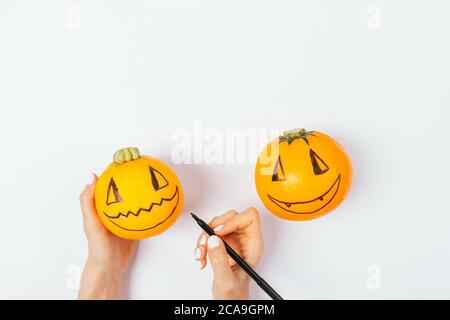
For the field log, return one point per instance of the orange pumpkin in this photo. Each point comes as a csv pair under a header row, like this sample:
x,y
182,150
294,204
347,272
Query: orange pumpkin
x,y
138,196
303,175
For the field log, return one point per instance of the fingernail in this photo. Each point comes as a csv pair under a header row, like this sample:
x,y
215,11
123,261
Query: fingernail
x,y
91,179
203,240
218,228
198,253
199,264
213,242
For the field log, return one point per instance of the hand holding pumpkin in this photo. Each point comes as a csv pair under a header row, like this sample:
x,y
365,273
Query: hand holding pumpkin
x,y
109,255
243,233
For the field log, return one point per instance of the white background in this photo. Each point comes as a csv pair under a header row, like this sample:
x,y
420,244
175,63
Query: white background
x,y
373,74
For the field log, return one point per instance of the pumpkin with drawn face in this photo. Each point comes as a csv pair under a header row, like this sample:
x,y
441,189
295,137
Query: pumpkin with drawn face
x,y
138,196
303,175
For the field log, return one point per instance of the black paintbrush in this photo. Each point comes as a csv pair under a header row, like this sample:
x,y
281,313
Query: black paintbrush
x,y
252,273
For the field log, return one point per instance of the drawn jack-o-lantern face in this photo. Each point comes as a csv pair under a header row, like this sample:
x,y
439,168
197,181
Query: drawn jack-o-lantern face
x,y
303,175
138,196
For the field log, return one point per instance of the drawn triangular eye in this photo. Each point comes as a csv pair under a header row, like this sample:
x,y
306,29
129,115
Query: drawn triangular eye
x,y
158,180
319,166
278,171
113,195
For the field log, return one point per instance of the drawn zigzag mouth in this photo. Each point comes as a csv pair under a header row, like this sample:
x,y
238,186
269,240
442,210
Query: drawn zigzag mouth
x,y
136,214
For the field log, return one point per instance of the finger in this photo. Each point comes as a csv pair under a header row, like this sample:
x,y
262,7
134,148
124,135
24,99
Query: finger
x,y
248,225
87,198
199,254
201,245
218,258
247,221
201,241
87,203
223,218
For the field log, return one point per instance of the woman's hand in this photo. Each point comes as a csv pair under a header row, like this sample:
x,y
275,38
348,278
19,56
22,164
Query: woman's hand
x,y
243,233
109,255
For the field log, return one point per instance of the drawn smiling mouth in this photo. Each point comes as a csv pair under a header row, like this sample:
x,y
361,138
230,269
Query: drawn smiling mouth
x,y
147,212
295,207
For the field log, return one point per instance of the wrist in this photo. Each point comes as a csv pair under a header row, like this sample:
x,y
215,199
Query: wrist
x,y
234,290
244,286
104,265
244,295
237,294
244,291
100,281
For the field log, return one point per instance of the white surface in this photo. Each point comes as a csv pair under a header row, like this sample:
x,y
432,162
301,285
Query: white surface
x,y
135,71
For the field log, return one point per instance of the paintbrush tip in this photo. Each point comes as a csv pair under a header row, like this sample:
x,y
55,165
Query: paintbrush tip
x,y
196,218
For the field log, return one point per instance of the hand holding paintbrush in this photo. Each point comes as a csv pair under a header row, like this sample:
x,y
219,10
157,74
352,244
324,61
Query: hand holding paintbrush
x,y
232,276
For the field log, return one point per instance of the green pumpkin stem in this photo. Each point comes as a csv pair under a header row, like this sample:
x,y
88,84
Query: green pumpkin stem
x,y
126,154
292,135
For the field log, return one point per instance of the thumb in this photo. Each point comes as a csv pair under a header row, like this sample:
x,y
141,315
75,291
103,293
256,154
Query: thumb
x,y
218,258
87,203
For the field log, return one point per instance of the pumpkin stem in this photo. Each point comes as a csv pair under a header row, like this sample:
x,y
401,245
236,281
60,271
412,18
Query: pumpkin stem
x,y
292,135
295,133
126,154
